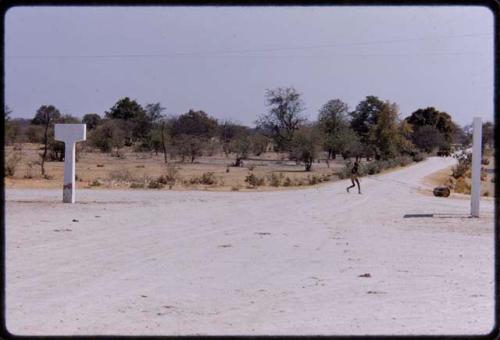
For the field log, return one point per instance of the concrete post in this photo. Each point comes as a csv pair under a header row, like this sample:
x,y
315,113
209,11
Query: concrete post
x,y
70,134
476,167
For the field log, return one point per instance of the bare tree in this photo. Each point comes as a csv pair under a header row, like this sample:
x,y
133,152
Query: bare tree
x,y
285,115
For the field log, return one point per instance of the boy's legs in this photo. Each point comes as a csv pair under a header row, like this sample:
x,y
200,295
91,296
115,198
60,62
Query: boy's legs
x,y
352,186
359,186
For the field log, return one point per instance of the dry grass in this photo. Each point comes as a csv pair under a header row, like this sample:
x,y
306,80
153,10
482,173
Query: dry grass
x,y
463,184
100,170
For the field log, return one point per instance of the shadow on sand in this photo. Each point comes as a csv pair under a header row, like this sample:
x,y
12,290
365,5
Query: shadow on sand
x,y
438,215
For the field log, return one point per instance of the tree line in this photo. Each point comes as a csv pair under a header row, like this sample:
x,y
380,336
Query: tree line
x,y
373,129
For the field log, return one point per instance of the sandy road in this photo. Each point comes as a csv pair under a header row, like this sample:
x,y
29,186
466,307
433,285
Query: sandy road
x,y
289,262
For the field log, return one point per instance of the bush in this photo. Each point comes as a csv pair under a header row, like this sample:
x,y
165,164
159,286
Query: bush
x,y
405,160
275,179
343,173
254,181
374,167
11,164
419,156
312,180
463,166
137,185
287,182
208,178
121,175
155,184
170,176
485,161
462,186
95,183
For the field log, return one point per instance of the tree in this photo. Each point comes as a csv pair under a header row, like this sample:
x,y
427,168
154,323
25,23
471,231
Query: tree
x,y
487,135
11,129
258,143
284,117
189,146
227,131
92,120
68,119
125,109
305,146
428,138
332,119
154,112
431,117
240,146
164,125
194,123
108,135
365,116
45,116
384,134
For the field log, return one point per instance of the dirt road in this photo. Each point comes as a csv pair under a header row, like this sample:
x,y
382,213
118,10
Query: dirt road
x,y
312,261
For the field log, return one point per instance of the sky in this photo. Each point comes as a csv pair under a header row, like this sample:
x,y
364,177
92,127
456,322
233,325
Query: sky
x,y
222,59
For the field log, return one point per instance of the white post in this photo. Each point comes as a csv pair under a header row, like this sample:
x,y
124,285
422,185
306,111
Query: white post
x,y
476,167
69,134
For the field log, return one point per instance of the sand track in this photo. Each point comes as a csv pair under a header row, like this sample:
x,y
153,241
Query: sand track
x,y
164,262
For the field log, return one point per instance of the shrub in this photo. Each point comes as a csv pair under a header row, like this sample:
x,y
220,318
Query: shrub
x,y
11,164
464,164
155,184
235,188
254,181
462,186
208,178
312,180
486,193
287,182
485,161
136,185
419,156
405,160
275,179
343,173
100,165
95,183
29,169
121,175
375,167
170,176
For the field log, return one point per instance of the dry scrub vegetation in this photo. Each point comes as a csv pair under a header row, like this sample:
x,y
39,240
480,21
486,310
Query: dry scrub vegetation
x,y
146,170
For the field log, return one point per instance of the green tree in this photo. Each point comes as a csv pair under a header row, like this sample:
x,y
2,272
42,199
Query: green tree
x,y
125,109
46,116
428,138
365,116
429,116
240,145
384,134
194,123
305,145
108,135
92,120
284,117
332,119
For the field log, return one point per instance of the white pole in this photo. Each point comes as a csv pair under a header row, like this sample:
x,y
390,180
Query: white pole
x,y
476,167
69,134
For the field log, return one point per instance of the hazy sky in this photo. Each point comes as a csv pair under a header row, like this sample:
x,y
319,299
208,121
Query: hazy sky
x,y
222,59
